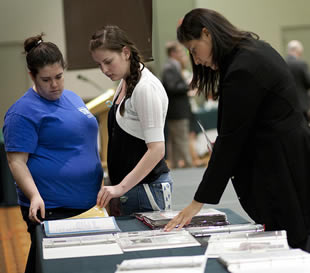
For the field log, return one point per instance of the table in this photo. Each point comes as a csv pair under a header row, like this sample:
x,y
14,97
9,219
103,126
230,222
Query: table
x,y
108,263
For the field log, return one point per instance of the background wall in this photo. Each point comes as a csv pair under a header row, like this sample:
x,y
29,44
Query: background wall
x,y
166,14
274,21
271,20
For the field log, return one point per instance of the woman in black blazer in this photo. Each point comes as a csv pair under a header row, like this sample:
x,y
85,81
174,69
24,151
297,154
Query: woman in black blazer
x,y
263,142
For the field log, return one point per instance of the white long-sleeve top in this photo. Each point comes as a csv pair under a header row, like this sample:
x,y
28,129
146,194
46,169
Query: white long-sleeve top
x,y
146,110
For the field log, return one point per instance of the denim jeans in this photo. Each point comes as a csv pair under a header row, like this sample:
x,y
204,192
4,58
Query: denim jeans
x,y
136,200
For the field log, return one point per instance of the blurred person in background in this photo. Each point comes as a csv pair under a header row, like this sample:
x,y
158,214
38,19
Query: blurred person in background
x,y
301,74
179,109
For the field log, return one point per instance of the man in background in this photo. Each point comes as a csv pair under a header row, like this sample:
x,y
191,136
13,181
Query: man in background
x,y
299,69
179,109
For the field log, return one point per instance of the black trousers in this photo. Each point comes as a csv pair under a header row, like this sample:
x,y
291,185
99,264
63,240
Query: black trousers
x,y
50,214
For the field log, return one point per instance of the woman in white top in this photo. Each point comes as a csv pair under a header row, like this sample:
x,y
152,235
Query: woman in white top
x,y
137,170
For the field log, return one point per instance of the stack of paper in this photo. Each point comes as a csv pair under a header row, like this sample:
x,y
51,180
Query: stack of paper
x,y
283,261
178,264
206,217
155,239
69,226
220,244
80,246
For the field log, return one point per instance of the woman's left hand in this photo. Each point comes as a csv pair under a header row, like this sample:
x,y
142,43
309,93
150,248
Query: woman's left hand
x,y
184,217
106,193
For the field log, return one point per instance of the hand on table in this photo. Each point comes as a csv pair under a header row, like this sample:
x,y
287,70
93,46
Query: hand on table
x,y
184,217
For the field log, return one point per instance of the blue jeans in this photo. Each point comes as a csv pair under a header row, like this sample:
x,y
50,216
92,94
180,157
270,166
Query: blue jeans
x,y
136,200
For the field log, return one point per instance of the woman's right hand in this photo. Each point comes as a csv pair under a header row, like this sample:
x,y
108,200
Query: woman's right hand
x,y
36,205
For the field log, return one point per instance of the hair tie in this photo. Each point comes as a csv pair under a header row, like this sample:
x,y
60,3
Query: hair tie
x,y
38,42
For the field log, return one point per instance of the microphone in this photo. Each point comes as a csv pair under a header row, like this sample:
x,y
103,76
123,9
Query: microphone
x,y
85,79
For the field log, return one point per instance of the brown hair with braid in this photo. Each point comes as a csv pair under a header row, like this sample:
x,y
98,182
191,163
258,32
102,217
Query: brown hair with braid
x,y
115,39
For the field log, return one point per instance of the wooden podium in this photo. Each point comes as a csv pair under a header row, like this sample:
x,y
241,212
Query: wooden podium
x,y
99,107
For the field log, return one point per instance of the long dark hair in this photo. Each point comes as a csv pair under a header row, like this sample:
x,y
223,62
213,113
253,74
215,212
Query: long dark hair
x,y
225,37
40,53
114,38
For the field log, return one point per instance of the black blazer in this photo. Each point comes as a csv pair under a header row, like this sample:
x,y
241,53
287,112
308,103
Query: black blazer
x,y
263,143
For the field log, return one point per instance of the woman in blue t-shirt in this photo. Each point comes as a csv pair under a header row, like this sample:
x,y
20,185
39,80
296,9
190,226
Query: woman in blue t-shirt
x,y
51,143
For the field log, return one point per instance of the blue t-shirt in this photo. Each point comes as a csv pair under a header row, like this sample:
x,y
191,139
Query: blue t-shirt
x,y
61,139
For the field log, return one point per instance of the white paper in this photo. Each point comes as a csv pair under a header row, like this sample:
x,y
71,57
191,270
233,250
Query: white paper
x,y
271,260
77,226
155,239
80,246
173,264
221,244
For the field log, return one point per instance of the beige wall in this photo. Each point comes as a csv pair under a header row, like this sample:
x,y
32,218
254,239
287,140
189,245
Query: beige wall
x,y
166,14
265,17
